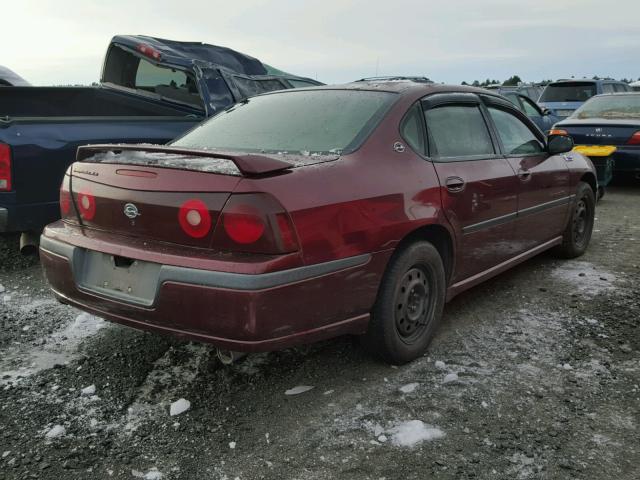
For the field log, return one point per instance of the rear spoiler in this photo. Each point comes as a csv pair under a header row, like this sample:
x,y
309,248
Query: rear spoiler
x,y
248,164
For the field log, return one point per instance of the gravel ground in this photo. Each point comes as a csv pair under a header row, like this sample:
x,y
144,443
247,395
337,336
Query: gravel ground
x,y
534,374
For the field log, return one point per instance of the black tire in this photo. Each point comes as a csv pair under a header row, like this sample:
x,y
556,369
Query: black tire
x,y
577,234
409,305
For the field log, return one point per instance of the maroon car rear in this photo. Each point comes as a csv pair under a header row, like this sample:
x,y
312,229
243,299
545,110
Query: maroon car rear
x,y
255,251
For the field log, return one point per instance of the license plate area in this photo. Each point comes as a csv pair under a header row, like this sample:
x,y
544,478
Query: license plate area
x,y
120,278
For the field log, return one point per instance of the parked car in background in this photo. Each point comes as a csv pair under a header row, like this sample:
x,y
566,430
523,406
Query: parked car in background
x,y
544,119
152,90
635,86
610,120
530,90
564,97
311,213
9,78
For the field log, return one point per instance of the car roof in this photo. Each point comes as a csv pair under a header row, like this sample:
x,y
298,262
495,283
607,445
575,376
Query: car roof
x,y
184,54
401,86
585,80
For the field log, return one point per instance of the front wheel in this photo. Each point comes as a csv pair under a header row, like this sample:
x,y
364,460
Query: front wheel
x,y
577,234
409,304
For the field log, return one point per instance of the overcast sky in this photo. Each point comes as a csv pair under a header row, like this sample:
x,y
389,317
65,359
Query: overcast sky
x,y
63,41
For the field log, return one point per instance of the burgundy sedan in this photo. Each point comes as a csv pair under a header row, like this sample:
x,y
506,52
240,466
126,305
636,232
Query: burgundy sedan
x,y
301,215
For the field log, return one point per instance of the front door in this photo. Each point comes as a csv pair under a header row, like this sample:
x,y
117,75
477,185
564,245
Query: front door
x,y
479,187
543,180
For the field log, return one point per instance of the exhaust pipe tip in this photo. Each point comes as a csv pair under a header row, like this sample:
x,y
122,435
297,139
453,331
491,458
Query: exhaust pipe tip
x,y
29,242
228,357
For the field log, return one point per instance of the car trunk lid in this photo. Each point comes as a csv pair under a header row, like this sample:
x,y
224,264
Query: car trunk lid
x,y
159,193
145,202
600,132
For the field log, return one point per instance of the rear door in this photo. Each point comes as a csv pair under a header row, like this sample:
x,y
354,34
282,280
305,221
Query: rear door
x,y
543,180
479,187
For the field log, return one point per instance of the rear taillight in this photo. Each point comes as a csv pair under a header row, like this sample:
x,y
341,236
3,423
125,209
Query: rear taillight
x,y
255,223
149,51
5,167
635,139
194,218
65,203
86,204
67,210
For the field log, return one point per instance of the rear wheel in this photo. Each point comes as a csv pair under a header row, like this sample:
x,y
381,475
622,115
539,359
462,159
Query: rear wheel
x,y
577,234
409,305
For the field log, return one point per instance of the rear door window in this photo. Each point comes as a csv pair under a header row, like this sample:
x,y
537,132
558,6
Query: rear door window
x,y
529,109
517,138
607,88
619,87
458,131
249,87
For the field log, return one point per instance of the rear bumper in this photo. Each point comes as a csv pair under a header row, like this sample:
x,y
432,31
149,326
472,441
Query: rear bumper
x,y
627,160
236,311
27,217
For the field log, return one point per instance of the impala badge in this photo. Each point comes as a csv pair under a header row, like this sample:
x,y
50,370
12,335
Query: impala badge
x,y
131,211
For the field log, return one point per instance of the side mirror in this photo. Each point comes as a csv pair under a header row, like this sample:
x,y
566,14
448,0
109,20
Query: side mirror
x,y
546,111
559,144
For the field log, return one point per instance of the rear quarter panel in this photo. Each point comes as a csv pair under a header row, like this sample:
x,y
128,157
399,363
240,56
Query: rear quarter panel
x,y
364,202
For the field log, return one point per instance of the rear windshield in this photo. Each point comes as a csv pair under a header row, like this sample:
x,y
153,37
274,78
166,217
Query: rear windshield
x,y
128,70
610,106
296,121
569,92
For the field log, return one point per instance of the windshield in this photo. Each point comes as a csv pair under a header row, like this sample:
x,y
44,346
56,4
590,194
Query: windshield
x,y
296,121
569,92
610,106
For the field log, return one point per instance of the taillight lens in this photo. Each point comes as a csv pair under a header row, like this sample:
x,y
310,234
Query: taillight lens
x,y
67,210
255,223
65,202
635,139
245,225
194,218
5,167
86,205
149,51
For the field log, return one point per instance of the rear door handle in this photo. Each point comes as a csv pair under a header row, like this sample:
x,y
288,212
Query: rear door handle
x,y
524,175
454,184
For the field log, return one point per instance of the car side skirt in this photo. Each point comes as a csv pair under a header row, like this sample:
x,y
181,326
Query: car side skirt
x,y
470,282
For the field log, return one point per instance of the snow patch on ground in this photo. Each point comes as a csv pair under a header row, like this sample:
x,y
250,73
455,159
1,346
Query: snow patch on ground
x,y
413,432
586,277
298,390
409,387
61,347
164,382
179,406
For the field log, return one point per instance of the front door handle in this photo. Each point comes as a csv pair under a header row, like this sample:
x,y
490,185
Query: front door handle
x,y
454,184
524,175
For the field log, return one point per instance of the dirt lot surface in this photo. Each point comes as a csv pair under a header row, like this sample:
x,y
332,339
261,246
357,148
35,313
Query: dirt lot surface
x,y
533,375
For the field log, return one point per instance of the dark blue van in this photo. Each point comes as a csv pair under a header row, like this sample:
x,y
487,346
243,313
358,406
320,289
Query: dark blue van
x,y
564,97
